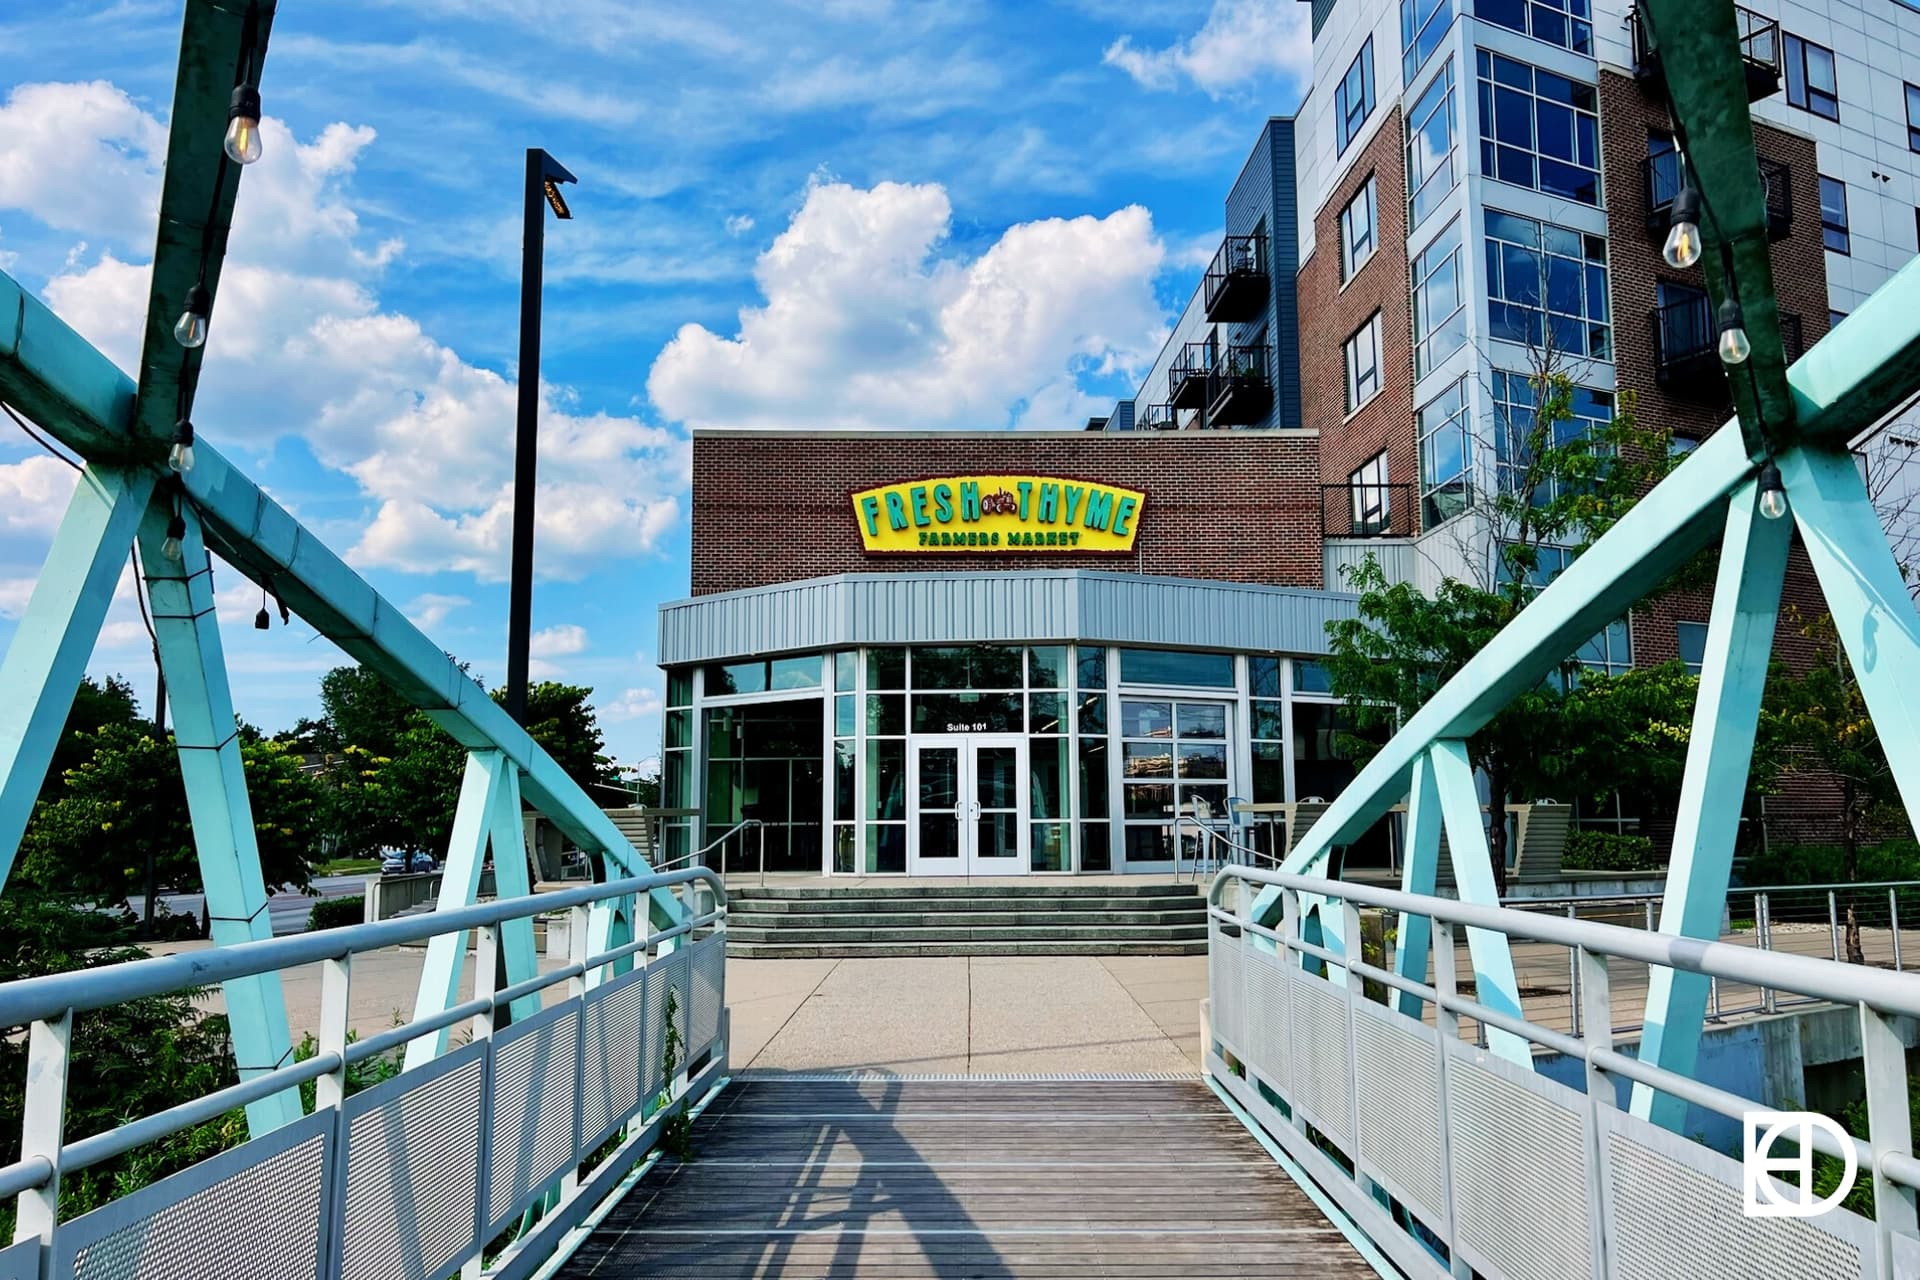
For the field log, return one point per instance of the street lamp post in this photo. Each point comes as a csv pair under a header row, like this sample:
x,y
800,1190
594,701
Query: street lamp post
x,y
544,174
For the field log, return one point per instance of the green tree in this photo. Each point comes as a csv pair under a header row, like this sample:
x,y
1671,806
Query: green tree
x,y
1564,481
359,708
95,706
126,800
560,717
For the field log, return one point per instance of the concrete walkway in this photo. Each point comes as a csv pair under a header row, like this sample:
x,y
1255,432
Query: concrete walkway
x,y
981,1015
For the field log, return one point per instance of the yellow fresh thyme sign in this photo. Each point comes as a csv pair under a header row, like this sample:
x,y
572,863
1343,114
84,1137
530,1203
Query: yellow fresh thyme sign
x,y
1014,514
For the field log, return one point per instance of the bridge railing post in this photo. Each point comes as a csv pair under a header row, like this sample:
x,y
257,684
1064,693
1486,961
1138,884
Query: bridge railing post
x,y
486,961
330,1093
43,1132
1447,1022
1889,1129
1596,991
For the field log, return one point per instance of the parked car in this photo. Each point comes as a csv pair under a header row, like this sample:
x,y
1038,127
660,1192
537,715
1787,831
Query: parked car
x,y
397,863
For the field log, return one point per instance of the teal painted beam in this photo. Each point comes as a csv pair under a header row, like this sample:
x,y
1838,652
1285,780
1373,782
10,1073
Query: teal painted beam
x,y
439,988
1746,603
1698,45
507,832
1867,598
1419,873
1860,373
1495,985
50,648
196,204
208,737
55,377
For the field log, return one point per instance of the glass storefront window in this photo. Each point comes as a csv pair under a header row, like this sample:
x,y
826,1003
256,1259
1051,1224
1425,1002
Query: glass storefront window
x,y
1047,713
1167,667
1148,760
736,677
1269,772
845,715
679,729
843,780
886,848
1047,666
1263,676
843,670
974,666
1269,721
1050,846
795,673
1203,760
1311,677
886,668
680,688
1146,719
764,763
843,848
887,781
966,713
1096,854
1048,767
886,713
1203,720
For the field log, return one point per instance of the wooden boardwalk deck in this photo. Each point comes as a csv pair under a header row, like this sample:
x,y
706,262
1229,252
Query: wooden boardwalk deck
x,y
958,1179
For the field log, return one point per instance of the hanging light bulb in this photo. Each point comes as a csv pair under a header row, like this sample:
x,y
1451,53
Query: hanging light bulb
x,y
1683,241
1773,493
1734,347
191,329
243,125
260,620
180,457
176,530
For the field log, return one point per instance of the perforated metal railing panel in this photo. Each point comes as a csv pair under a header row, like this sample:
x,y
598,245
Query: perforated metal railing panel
x,y
708,979
1397,1081
1519,1169
1675,1212
413,1169
610,1056
1321,1084
252,1211
1225,987
20,1261
1269,1029
533,1108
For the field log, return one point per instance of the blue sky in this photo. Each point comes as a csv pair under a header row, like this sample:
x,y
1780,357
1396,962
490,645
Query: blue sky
x,y
825,213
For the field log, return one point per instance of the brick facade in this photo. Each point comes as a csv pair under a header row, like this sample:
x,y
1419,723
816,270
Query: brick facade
x,y
1628,115
1239,506
1332,313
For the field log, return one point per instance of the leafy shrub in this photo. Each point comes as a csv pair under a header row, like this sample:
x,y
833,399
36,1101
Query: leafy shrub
x,y
335,913
1609,851
1827,864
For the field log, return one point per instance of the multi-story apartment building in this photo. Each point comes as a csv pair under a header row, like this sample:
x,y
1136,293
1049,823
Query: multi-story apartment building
x,y
1482,190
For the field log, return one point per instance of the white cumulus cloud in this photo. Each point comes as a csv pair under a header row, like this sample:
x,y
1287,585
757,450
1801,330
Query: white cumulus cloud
x,y
303,347
1241,41
631,705
866,324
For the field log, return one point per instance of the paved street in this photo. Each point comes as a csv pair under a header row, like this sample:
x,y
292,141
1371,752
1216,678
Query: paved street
x,y
288,909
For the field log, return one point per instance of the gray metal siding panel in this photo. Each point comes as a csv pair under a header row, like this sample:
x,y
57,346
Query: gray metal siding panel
x,y
1286,266
1106,608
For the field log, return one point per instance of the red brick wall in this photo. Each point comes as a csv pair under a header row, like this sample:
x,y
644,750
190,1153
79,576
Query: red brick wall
x,y
1240,506
1330,314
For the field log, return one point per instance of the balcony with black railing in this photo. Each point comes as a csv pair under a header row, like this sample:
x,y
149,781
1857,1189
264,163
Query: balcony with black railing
x,y
1187,378
1155,417
1240,387
1686,347
1759,50
1366,511
1237,288
1661,174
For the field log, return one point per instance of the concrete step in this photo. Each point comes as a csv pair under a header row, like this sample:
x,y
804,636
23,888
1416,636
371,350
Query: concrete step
x,y
1053,947
1004,933
957,919
917,905
961,889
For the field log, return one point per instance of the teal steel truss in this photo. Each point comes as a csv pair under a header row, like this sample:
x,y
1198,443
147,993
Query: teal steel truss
x,y
123,428
1800,419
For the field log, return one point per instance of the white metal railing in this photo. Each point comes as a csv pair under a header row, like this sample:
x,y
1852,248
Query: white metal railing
x,y
417,1175
1451,1156
1223,850
698,857
1804,919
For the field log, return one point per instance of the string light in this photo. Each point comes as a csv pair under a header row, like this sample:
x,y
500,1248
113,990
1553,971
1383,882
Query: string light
x,y
1773,493
1734,346
1683,241
260,620
176,530
180,457
243,125
190,330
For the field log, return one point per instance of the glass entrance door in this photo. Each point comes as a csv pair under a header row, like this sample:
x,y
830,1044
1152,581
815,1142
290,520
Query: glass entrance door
x,y
971,815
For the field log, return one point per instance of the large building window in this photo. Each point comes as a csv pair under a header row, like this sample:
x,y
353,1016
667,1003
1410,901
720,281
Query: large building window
x,y
1353,100
1611,651
1812,83
1430,175
1913,117
1439,303
1423,24
1446,456
1538,129
1357,240
1567,23
1833,215
1547,286
1363,363
1692,640
1372,511
1515,396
